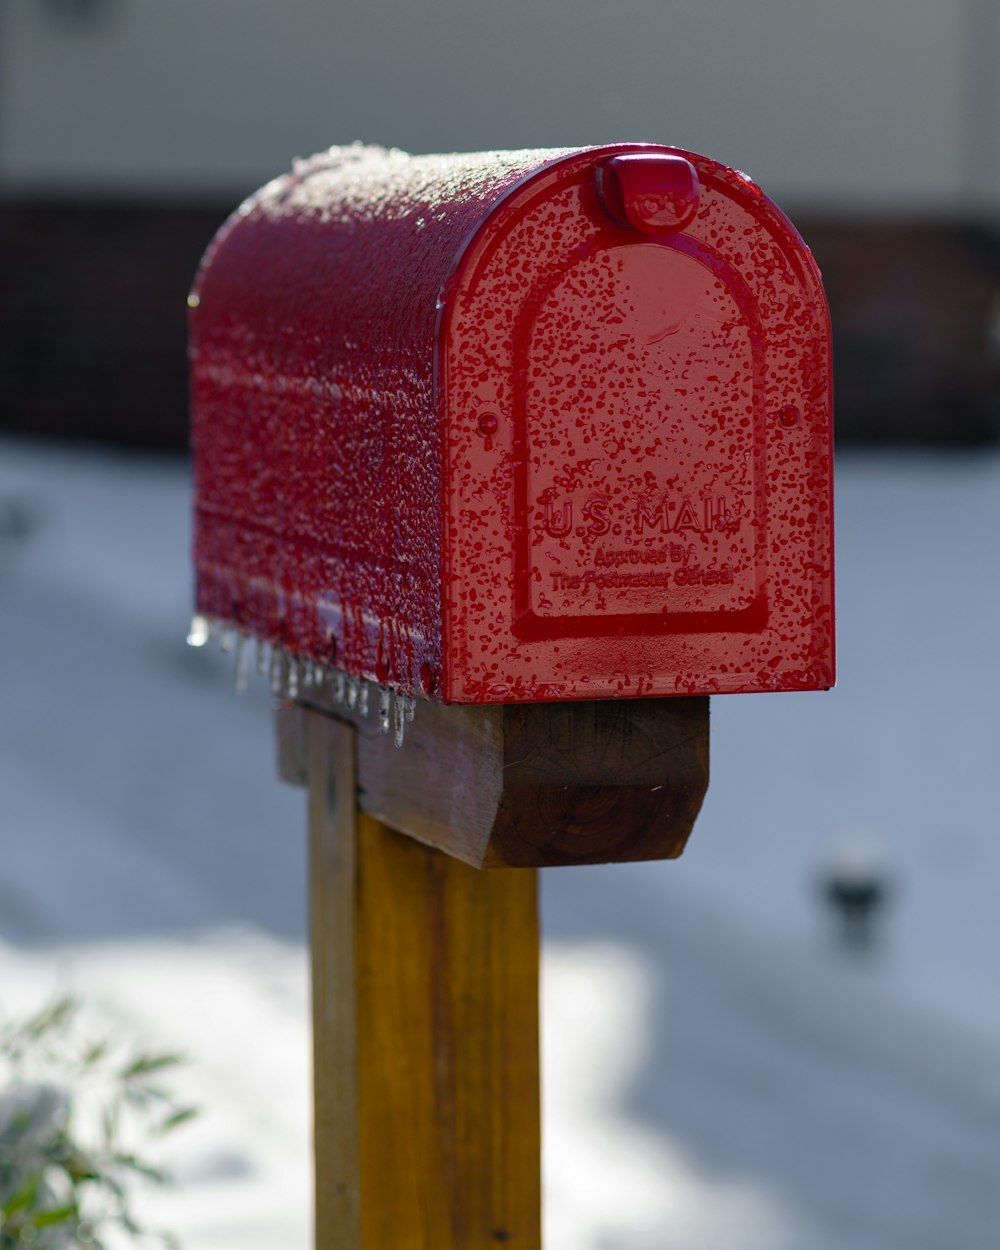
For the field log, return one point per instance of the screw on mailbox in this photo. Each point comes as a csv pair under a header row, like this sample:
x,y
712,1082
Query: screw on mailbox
x,y
485,443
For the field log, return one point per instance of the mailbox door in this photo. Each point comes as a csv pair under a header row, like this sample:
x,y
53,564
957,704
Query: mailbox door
x,y
638,444
637,466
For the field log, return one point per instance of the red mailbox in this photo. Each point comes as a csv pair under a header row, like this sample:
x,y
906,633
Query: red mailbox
x,y
518,426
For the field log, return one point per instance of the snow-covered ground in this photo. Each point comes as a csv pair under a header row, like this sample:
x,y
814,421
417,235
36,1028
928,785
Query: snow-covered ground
x,y
718,1074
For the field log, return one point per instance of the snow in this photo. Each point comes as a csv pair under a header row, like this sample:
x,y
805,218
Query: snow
x,y
901,752
718,1073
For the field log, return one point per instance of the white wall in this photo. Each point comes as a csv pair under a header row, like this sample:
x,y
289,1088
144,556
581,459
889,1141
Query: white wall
x,y
841,104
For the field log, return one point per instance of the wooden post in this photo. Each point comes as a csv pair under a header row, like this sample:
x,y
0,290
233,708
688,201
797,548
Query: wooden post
x,y
425,1011
424,919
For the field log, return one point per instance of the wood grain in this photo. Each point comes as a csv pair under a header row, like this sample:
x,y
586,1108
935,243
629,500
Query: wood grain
x,y
444,785
333,875
599,782
426,1034
537,784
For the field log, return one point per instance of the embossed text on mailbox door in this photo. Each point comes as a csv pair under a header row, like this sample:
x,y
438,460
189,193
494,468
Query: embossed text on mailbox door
x,y
641,472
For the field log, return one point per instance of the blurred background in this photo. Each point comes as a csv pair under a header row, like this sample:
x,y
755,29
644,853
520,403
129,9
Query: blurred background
x,y
790,1039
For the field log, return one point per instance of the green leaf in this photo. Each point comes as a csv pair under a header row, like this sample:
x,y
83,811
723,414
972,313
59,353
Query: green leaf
x,y
109,1121
20,1121
183,1116
112,1185
50,1017
24,1197
79,1168
144,1064
57,1215
141,1095
129,1224
95,1053
137,1165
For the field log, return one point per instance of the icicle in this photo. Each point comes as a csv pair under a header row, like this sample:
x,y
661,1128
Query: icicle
x,y
227,639
339,682
400,721
363,699
384,708
306,674
242,660
276,674
352,693
199,631
261,657
411,708
292,680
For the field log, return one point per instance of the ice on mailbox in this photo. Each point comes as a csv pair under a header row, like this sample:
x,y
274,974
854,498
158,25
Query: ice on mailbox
x,y
518,426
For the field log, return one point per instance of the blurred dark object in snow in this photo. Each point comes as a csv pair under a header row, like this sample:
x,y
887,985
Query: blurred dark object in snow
x,y
17,521
93,322
856,886
81,15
